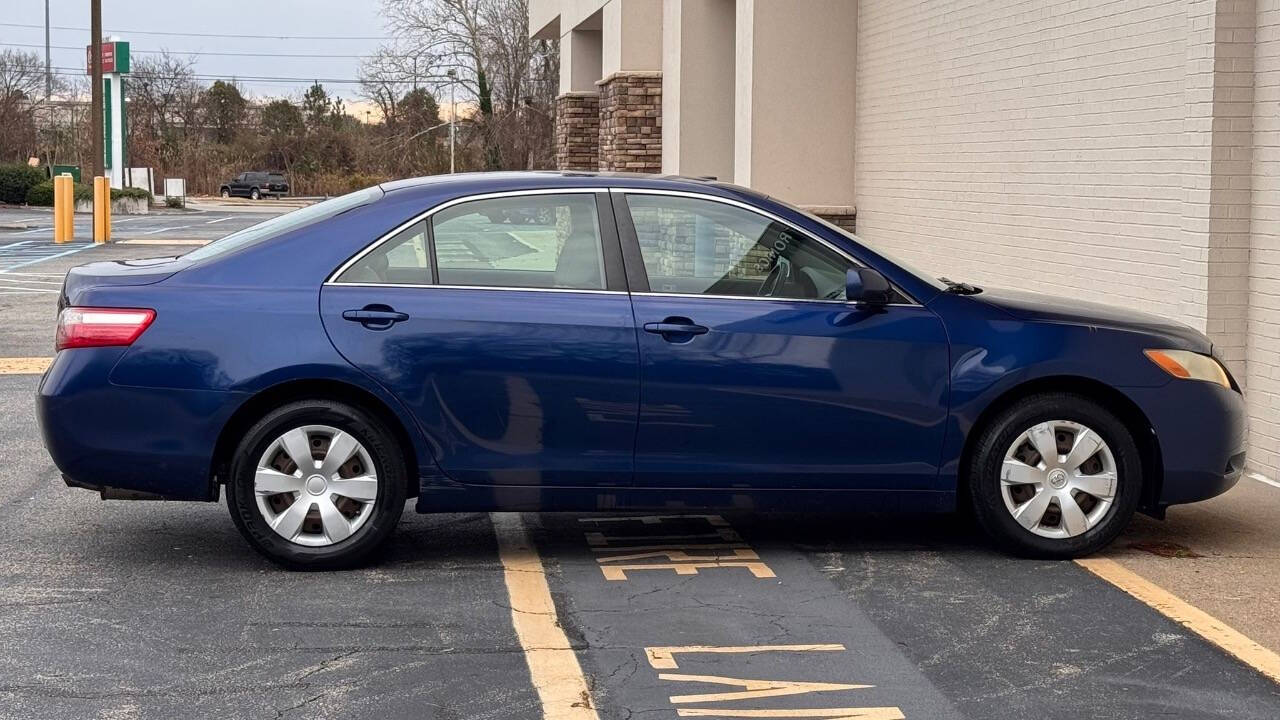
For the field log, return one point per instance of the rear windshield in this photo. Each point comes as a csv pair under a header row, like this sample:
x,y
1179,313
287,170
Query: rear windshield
x,y
282,224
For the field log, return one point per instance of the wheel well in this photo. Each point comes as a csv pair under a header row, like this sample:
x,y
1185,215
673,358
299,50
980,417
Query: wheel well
x,y
1114,400
255,407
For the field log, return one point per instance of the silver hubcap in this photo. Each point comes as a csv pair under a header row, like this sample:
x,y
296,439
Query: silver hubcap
x,y
1058,479
316,485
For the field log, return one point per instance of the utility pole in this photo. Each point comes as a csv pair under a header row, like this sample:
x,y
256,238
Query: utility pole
x,y
48,67
453,113
95,71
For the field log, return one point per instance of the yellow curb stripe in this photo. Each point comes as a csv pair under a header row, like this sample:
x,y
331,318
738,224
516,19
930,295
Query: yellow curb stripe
x,y
1210,628
24,365
553,667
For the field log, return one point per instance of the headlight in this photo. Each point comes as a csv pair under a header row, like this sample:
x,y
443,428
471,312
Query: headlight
x,y
1189,366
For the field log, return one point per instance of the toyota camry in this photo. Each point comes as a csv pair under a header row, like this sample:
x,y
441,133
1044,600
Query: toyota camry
x,y
581,342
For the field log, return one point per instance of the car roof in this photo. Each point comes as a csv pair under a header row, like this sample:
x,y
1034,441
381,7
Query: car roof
x,y
463,184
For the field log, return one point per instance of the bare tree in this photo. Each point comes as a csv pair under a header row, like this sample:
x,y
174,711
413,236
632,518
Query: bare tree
x,y
22,103
486,44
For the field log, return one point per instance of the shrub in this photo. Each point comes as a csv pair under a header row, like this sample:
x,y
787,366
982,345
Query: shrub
x,y
17,180
131,193
174,202
41,194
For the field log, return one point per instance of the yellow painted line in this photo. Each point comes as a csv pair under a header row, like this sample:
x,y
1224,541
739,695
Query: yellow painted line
x,y
1230,640
553,667
24,365
663,658
868,713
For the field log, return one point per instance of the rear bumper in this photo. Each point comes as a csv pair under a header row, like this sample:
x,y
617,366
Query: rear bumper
x,y
128,442
1201,430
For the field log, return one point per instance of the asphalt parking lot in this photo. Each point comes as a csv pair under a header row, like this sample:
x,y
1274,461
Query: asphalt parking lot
x,y
124,610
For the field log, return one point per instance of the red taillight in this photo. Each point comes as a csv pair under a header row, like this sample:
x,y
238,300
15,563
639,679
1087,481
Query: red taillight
x,y
80,327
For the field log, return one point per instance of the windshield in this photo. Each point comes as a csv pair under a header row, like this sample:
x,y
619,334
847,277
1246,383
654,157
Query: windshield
x,y
288,222
936,283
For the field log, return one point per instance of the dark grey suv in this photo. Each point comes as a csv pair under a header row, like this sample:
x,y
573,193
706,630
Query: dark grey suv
x,y
255,185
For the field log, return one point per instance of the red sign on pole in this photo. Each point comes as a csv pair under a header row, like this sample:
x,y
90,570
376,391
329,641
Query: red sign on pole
x,y
115,58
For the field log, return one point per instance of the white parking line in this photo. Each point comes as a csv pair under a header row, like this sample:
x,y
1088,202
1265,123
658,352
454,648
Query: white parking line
x,y
23,282
164,229
1264,479
47,257
20,242
210,222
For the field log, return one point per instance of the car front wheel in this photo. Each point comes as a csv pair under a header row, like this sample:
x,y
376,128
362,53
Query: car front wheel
x,y
1055,475
225,193
254,194
317,485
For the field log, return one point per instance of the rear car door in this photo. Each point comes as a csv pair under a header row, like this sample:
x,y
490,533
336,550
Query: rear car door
x,y
503,324
756,373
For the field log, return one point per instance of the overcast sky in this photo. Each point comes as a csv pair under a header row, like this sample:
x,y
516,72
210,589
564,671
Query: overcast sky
x,y
345,18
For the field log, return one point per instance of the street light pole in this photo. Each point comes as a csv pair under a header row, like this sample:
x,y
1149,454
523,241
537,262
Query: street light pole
x,y
453,114
95,70
48,67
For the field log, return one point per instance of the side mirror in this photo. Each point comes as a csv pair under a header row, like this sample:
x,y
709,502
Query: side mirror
x,y
866,287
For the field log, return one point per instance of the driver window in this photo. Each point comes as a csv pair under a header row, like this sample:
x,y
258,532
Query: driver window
x,y
702,247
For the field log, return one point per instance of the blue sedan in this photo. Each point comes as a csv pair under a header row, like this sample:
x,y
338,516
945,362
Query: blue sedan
x,y
547,341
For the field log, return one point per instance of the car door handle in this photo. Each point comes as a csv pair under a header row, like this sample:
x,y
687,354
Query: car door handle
x,y
673,328
375,317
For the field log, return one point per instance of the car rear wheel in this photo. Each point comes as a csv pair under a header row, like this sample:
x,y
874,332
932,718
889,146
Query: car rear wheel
x,y
225,193
317,485
1055,475
254,194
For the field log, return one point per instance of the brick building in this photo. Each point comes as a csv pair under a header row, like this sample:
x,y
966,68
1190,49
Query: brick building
x,y
1124,150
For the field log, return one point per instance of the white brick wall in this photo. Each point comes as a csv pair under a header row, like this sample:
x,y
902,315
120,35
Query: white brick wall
x,y
1034,144
1086,147
1263,346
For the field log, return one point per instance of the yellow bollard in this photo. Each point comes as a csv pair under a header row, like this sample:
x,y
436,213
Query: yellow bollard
x,y
60,199
102,210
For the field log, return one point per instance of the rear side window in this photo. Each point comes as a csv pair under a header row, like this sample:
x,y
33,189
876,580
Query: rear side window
x,y
532,241
403,260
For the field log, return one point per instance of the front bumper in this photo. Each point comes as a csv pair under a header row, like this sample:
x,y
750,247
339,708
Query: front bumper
x,y
128,442
1201,431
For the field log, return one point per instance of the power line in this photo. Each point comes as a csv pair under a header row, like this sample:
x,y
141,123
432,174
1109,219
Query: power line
x,y
209,35
200,52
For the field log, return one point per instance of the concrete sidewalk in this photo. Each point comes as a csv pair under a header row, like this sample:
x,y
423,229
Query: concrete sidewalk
x,y
1222,555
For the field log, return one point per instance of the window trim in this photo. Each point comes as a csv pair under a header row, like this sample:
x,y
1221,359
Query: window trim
x,y
631,247
612,241
608,239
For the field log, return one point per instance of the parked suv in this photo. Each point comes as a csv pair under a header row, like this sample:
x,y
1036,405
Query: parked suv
x,y
255,185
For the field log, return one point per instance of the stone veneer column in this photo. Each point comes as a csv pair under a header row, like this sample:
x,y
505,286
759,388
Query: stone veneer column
x,y
842,216
631,122
578,131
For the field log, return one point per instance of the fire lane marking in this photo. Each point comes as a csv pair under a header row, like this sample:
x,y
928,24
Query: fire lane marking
x,y
1225,637
553,667
685,553
664,658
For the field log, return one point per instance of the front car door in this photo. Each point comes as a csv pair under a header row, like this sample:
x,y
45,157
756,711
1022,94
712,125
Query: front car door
x,y
503,323
755,371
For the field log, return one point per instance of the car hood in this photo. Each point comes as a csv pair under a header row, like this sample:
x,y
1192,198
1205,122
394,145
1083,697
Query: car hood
x,y
1047,308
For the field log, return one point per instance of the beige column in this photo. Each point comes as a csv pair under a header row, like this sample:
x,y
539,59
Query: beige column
x,y
631,89
697,88
1218,129
794,99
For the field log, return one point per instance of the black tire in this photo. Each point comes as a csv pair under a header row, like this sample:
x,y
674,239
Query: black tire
x,y
997,436
225,193
387,458
254,194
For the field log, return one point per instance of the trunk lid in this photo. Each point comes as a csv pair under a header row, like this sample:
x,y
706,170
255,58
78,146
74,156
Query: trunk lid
x,y
117,273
